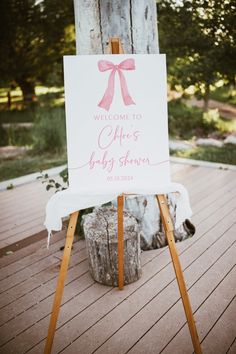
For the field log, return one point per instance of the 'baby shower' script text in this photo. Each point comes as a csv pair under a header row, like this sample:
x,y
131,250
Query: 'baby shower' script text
x,y
117,136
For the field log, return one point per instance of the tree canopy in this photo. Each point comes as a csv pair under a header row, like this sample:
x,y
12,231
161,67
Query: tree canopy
x,y
199,39
33,36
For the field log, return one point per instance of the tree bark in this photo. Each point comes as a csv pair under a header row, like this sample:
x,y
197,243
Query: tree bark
x,y
100,230
206,97
9,99
87,27
28,90
134,22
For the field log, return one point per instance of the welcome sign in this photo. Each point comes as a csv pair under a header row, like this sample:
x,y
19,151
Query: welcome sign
x,y
116,119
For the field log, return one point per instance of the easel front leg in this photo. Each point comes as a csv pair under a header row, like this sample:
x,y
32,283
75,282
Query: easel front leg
x,y
61,281
168,226
120,207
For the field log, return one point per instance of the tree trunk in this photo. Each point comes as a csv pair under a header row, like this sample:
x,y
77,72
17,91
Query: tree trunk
x,y
9,99
134,22
206,97
100,230
28,91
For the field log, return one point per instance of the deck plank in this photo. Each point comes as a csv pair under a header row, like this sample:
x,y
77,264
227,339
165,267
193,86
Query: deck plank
x,y
27,261
232,347
222,334
31,249
22,212
48,273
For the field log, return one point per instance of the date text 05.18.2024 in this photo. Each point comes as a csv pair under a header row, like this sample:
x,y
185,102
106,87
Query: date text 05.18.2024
x,y
119,178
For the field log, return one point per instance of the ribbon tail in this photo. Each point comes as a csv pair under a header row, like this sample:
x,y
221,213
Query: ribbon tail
x,y
124,90
109,93
105,102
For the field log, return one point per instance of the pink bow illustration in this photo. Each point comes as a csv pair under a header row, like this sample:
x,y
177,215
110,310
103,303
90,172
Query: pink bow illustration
x,y
104,65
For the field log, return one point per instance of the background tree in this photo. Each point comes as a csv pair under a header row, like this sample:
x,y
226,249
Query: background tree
x,y
33,37
199,39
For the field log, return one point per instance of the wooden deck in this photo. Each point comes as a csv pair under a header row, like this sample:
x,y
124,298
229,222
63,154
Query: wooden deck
x,y
22,213
147,316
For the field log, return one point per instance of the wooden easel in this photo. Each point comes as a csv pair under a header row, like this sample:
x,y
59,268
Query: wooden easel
x,y
115,47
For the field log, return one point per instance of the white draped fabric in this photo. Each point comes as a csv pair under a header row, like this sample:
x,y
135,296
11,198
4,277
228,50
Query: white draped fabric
x,y
64,203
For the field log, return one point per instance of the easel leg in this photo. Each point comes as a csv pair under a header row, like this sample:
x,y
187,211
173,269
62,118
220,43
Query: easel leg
x,y
115,47
60,282
120,206
168,226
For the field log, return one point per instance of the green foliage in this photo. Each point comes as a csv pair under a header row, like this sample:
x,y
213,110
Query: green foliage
x,y
17,116
34,35
79,226
187,122
211,118
3,136
64,176
29,164
225,154
199,40
51,183
225,126
17,136
49,131
224,94
45,116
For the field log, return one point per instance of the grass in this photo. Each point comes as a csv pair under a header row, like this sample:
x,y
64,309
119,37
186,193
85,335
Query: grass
x,y
16,136
225,154
29,164
46,138
190,123
47,133
18,116
185,122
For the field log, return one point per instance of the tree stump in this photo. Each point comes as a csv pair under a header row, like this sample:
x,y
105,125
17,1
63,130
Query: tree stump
x,y
100,230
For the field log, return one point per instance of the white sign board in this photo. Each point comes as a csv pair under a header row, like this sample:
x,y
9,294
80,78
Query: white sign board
x,y
116,118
